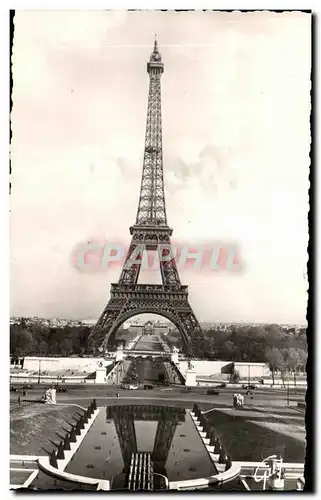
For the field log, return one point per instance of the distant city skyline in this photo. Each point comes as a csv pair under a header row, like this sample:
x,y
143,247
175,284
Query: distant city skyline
x,y
151,317
236,110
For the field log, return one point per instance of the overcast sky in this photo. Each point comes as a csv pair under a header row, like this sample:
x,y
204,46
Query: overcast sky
x,y
236,138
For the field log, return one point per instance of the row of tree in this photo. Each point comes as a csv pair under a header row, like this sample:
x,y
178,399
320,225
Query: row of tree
x,y
283,349
36,339
285,360
269,343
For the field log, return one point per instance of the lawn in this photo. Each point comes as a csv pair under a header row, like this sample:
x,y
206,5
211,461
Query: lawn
x,y
37,429
19,476
249,437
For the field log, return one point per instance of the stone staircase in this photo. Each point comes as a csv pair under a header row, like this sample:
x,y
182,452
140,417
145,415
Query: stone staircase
x,y
180,376
173,374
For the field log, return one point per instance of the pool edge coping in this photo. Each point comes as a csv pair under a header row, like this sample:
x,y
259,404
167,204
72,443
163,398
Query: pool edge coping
x,y
203,482
59,472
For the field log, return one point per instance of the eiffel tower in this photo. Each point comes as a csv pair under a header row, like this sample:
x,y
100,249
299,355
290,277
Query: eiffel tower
x,y
150,232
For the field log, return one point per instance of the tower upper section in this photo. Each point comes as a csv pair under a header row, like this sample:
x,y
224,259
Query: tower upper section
x,y
155,61
151,207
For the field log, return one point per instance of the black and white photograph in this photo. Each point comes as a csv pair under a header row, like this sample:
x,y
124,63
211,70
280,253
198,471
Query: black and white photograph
x,y
159,202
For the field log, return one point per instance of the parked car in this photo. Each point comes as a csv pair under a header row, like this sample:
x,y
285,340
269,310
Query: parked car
x,y
26,386
212,392
13,389
60,388
222,385
148,387
131,387
249,387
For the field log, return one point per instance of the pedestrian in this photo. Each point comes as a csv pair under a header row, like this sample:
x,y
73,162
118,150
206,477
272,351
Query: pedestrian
x,y
19,400
117,394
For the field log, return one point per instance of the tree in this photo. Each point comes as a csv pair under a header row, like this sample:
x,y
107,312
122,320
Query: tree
x,y
21,341
293,359
65,347
229,351
303,357
42,348
230,343
275,358
275,335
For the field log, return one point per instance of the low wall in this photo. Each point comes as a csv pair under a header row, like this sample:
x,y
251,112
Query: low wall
x,y
279,383
209,383
88,365
252,369
111,378
214,368
205,368
48,379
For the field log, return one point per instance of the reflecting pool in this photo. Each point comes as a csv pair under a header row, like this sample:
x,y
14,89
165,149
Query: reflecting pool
x,y
167,433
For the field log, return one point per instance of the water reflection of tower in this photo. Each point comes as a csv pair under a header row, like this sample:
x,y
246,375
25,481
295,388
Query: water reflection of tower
x,y
124,417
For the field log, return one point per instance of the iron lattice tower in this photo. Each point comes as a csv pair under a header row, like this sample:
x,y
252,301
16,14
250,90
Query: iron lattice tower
x,y
150,232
